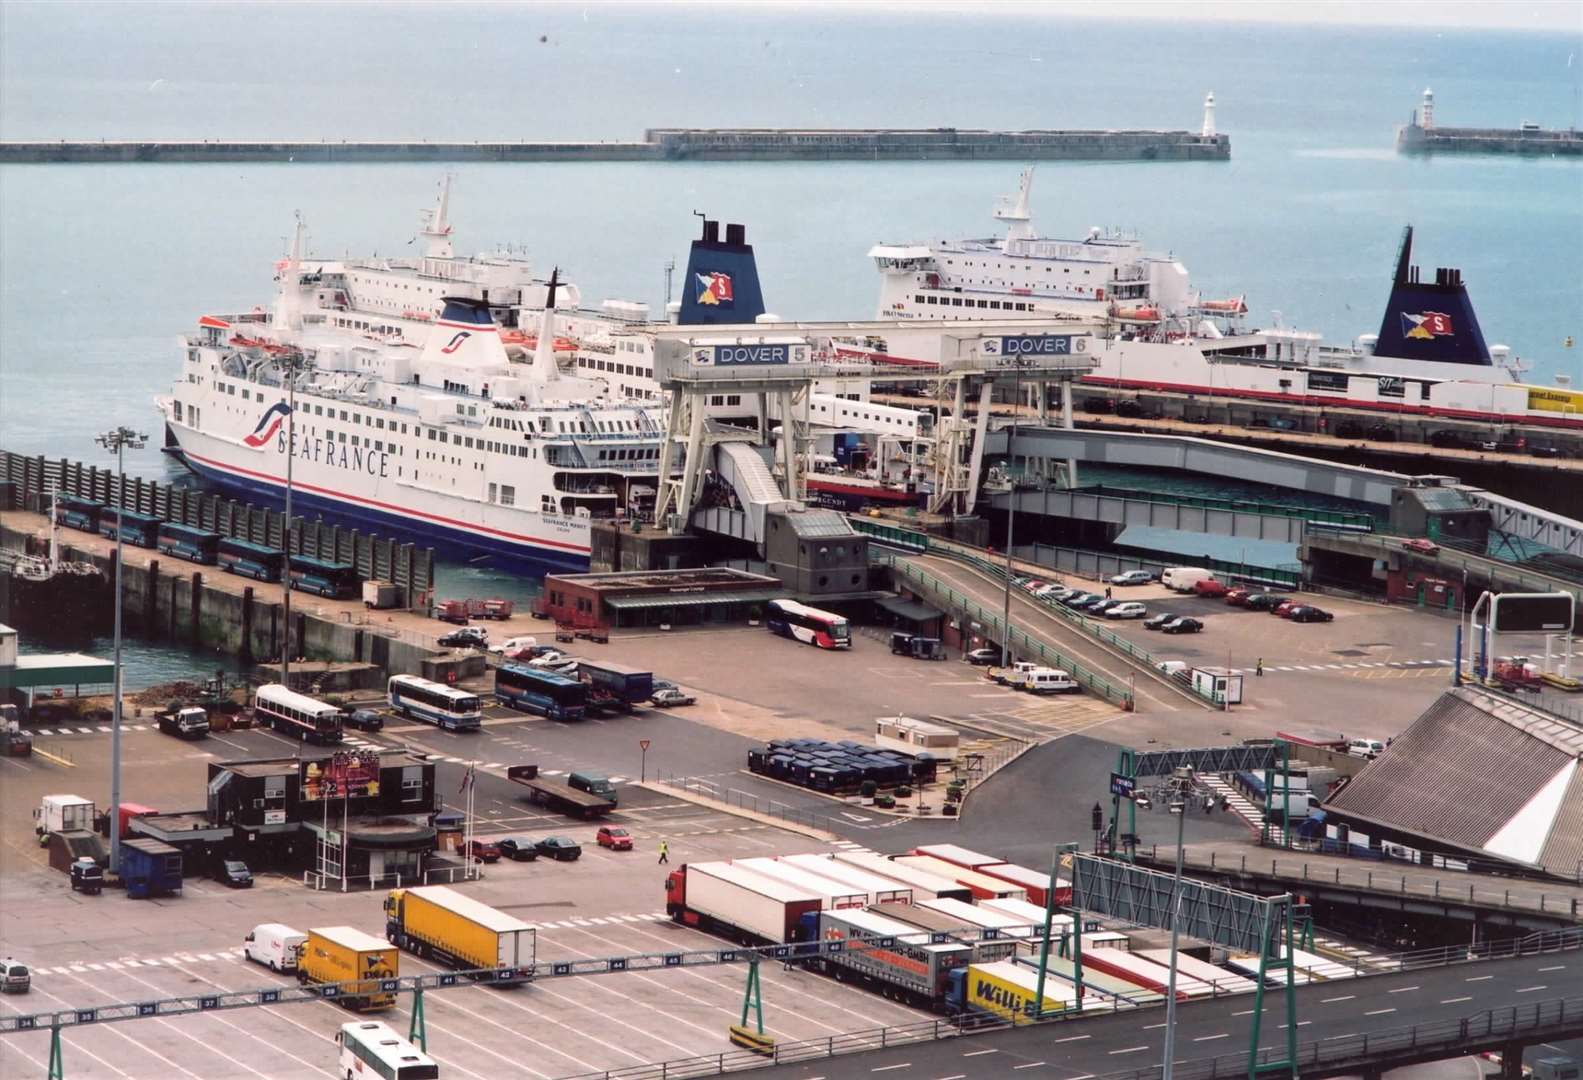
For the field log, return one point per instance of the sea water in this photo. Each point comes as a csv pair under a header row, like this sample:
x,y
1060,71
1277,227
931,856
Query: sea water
x,y
101,266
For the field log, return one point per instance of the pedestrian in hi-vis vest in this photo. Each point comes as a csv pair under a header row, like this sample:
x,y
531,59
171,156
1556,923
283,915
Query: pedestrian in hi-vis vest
x,y
665,852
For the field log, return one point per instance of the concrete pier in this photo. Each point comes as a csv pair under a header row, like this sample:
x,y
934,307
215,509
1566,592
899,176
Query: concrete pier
x,y
661,144
1527,141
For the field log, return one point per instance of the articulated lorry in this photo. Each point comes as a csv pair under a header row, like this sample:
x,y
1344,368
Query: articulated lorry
x,y
345,954
726,899
558,796
439,923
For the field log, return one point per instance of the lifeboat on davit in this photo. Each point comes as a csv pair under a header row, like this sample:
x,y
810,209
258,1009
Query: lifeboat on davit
x,y
531,341
1237,305
1135,314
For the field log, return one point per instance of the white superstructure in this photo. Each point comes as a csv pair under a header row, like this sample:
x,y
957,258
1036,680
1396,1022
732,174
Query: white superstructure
x,y
429,396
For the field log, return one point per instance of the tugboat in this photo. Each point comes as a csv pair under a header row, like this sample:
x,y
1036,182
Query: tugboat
x,y
48,595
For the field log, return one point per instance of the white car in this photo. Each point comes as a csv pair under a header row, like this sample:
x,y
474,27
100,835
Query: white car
x,y
1132,577
1053,591
514,644
1366,748
1130,610
552,659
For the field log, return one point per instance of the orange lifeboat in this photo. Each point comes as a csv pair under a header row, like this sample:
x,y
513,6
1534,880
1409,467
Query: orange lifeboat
x,y
531,341
1135,314
1237,305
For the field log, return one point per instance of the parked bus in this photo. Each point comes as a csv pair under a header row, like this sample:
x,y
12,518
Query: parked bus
x,y
297,714
802,623
251,560
140,530
536,690
186,542
75,513
446,706
370,1047
335,580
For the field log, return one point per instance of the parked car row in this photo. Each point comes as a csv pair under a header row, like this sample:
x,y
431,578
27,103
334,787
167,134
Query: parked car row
x,y
525,848
1278,604
1171,623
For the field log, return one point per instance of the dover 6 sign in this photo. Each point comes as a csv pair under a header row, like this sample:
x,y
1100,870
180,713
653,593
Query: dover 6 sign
x,y
1010,348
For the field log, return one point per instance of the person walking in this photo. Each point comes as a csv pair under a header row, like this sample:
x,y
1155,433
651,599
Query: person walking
x,y
1258,669
665,852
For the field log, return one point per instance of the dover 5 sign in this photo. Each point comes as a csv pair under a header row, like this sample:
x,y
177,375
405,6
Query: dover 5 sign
x,y
760,355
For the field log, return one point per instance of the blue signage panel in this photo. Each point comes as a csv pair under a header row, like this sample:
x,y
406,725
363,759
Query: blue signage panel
x,y
759,355
1011,346
1124,786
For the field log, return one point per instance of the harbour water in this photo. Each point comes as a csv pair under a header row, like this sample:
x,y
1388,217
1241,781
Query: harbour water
x,y
103,265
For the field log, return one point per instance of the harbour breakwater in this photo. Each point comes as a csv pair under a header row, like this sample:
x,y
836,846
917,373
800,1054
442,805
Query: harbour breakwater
x,y
1527,141
662,145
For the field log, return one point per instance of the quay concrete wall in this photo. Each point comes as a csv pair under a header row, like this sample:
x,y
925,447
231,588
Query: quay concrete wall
x,y
663,144
172,600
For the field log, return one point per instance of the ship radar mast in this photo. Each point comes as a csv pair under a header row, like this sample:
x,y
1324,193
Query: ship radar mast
x,y
1016,212
288,303
436,230
1208,130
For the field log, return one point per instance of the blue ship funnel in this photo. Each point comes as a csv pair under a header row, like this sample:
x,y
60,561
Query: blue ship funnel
x,y
1425,321
722,282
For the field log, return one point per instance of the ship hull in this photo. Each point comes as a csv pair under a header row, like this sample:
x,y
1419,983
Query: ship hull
x,y
839,495
450,524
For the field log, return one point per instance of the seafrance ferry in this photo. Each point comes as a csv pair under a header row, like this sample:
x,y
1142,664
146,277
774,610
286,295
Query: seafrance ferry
x,y
424,400
1429,356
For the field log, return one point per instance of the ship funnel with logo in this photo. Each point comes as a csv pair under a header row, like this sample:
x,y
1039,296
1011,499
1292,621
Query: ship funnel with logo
x,y
722,282
465,336
1425,321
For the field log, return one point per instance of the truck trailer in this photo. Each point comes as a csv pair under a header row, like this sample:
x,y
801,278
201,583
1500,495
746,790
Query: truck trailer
x,y
1008,990
726,899
981,886
347,955
439,923
880,890
834,893
558,796
617,684
891,957
63,813
924,885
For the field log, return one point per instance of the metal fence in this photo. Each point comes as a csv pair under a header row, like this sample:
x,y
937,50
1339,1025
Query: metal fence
x,y
1547,1019
1019,641
1370,877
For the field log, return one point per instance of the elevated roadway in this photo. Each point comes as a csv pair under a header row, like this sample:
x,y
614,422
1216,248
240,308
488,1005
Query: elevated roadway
x,y
1381,885
1447,562
1344,1026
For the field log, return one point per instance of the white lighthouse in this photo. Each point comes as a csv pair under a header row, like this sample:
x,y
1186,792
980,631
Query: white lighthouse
x,y
1428,115
1208,131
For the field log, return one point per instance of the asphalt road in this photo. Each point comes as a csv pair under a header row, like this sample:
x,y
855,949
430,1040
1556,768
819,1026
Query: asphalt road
x,y
1134,1039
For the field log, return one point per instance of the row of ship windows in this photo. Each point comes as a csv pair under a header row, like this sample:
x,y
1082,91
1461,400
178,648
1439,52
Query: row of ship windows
x,y
615,368
630,346
957,301
1003,266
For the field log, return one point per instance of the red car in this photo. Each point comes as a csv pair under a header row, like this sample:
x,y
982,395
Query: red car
x,y
483,851
1423,547
1210,587
1237,597
614,838
1284,608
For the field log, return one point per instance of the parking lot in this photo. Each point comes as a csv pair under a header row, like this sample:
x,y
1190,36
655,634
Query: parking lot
x,y
92,950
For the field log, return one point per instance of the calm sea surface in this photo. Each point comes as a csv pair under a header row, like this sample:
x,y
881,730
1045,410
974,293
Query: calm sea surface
x,y
101,266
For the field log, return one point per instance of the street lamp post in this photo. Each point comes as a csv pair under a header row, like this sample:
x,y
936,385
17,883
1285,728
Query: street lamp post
x,y
1180,780
1011,518
117,441
292,365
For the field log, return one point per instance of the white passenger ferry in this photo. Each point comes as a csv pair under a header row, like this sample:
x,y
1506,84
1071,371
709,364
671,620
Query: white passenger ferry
x,y
429,400
1428,358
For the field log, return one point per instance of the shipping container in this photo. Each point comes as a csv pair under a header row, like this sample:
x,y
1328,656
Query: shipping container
x,y
150,868
833,894
924,885
982,886
1036,882
880,890
1008,990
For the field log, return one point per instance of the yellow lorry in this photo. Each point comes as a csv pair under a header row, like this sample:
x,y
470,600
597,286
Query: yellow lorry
x,y
439,923
345,954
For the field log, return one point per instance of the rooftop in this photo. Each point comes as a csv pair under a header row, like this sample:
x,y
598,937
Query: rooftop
x,y
674,580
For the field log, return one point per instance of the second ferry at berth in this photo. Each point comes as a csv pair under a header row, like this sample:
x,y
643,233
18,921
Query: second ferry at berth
x,y
1429,356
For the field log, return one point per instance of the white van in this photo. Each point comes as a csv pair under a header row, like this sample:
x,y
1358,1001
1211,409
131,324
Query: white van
x,y
274,945
1017,673
1183,578
1050,681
